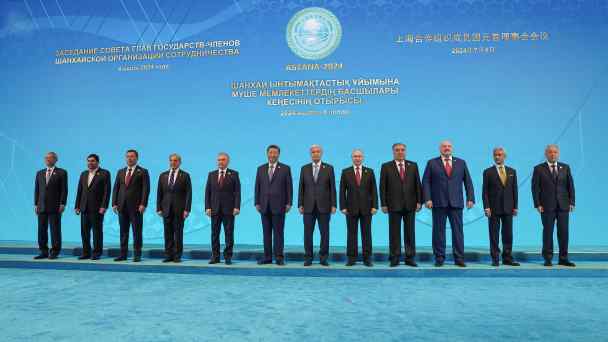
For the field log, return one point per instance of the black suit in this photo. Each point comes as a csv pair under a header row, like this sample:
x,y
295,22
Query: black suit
x,y
222,198
128,198
48,197
501,199
317,197
172,200
555,193
358,200
401,197
89,199
272,195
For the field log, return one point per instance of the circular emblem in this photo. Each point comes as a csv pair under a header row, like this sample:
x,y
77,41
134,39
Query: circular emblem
x,y
313,33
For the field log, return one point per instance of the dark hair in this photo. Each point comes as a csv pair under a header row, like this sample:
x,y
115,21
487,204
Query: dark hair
x,y
398,144
273,146
136,154
94,156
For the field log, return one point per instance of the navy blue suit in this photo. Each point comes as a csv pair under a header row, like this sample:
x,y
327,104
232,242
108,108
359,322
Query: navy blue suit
x,y
272,196
448,201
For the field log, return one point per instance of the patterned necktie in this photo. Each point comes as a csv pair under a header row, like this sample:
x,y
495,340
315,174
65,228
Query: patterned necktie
x,y
502,174
270,172
554,171
448,167
401,171
220,180
172,179
49,172
357,176
128,179
315,172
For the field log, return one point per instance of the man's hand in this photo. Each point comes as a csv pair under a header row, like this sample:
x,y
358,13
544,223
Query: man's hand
x,y
418,206
374,211
287,208
571,208
36,209
61,208
429,204
470,204
236,211
77,211
488,212
115,209
208,212
514,212
385,210
333,210
102,211
186,214
258,208
160,213
301,210
344,211
540,209
142,208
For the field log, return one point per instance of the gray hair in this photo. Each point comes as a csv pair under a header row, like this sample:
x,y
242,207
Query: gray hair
x,y
176,156
552,146
316,146
223,154
356,150
499,148
398,144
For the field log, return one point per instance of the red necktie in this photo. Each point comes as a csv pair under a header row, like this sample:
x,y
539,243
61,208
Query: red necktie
x,y
401,171
357,176
128,179
221,179
448,167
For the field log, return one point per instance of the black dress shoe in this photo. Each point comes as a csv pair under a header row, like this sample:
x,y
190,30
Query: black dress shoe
x,y
41,256
460,264
350,263
495,263
438,263
95,257
137,259
83,257
177,260
228,261
548,263
411,263
324,263
264,262
120,258
307,263
281,262
510,263
214,261
394,263
566,263
368,263
53,256
167,259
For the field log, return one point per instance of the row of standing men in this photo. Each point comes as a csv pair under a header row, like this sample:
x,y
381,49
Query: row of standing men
x,y
402,195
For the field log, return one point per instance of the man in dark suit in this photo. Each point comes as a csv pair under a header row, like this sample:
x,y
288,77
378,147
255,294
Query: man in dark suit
x,y
273,199
358,201
50,196
222,204
442,185
500,205
129,201
317,202
401,198
92,200
553,194
173,203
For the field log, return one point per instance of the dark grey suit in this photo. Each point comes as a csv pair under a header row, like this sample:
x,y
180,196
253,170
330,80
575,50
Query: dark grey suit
x,y
172,200
48,197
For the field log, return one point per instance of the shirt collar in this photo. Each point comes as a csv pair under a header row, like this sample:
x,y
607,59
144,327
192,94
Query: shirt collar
x,y
131,167
399,161
550,163
355,167
318,164
94,170
444,158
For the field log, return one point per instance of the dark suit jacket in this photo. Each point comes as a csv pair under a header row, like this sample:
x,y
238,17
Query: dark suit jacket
x,y
446,191
174,200
134,195
275,194
226,197
551,194
90,198
358,199
322,193
398,195
501,199
48,197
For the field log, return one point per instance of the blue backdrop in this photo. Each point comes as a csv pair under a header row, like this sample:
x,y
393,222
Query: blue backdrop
x,y
535,73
